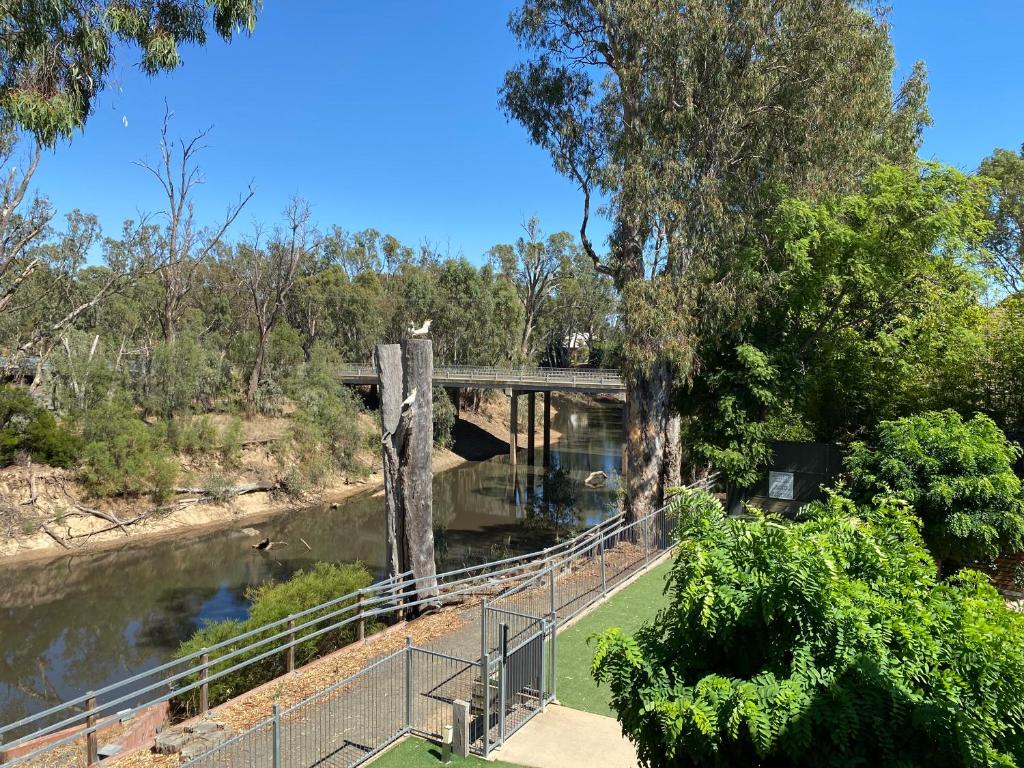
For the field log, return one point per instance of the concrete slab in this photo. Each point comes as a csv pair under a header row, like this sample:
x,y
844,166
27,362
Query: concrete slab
x,y
561,737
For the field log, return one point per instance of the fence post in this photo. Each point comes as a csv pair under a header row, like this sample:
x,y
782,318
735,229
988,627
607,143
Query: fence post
x,y
554,604
408,682
554,639
645,531
361,626
485,680
277,735
604,581
91,743
290,659
502,698
543,666
204,688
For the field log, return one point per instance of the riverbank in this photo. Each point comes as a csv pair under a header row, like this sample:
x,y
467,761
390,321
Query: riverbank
x,y
45,513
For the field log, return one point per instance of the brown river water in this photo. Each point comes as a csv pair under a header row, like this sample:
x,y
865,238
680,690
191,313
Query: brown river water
x,y
76,623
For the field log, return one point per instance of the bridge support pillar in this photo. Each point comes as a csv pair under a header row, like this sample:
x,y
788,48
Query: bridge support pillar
x,y
531,417
624,468
513,429
547,429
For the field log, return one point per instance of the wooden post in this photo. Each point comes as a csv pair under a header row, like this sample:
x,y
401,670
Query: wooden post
x,y
361,626
204,688
513,428
290,660
388,360
417,466
531,416
91,738
547,429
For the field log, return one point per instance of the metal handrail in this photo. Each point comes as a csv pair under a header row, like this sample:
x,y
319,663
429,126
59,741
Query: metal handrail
x,y
380,599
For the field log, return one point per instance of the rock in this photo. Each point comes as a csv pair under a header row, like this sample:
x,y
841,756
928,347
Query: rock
x,y
205,726
108,750
170,742
249,532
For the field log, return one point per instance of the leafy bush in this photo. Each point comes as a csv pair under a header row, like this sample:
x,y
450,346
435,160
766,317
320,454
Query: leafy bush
x,y
829,642
123,455
957,477
444,418
182,375
270,602
325,434
231,441
195,435
30,429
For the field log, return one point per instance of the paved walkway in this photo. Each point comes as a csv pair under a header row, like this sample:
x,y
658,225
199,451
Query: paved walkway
x,y
560,737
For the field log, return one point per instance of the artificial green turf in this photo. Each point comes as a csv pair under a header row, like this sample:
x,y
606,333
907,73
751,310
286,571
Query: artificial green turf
x,y
628,609
417,753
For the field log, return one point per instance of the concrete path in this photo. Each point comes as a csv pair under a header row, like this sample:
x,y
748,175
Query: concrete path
x,y
560,737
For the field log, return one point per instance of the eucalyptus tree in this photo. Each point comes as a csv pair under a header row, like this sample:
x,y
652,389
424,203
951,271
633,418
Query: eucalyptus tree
x,y
535,265
57,56
265,271
686,119
180,246
1006,169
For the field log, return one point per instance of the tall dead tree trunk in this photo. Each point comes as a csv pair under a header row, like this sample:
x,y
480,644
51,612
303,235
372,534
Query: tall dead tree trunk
x,y
418,472
405,374
388,358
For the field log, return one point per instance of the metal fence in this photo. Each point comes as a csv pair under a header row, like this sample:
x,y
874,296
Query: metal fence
x,y
530,596
602,379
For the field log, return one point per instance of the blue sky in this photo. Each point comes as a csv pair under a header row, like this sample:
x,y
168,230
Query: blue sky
x,y
385,114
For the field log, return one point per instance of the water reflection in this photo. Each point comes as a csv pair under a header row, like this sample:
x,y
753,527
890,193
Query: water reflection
x,y
82,621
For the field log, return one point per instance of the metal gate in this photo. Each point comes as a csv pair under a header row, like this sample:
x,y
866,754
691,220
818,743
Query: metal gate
x,y
517,683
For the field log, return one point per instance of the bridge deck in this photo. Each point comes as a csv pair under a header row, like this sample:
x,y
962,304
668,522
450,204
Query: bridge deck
x,y
536,379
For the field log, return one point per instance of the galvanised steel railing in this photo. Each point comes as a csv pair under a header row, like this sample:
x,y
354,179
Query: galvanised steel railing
x,y
84,716
493,376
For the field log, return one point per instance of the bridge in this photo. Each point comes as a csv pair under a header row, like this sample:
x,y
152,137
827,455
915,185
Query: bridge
x,y
591,380
521,381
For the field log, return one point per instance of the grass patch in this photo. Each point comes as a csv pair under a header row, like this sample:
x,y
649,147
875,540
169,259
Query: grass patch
x,y
417,753
628,609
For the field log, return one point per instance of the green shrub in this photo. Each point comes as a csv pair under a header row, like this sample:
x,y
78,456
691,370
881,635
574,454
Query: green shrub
x,y
270,602
123,455
829,642
30,429
444,418
231,441
192,435
324,435
957,476
182,376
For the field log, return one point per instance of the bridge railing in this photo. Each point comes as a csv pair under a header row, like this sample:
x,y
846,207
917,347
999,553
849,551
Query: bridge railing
x,y
495,374
84,716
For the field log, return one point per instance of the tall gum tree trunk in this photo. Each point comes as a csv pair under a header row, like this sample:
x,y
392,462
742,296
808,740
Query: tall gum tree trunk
x,y
652,441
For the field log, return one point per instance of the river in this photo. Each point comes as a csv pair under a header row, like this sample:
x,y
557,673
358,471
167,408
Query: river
x,y
79,622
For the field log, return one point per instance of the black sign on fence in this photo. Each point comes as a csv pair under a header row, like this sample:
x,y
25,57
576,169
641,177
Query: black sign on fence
x,y
793,476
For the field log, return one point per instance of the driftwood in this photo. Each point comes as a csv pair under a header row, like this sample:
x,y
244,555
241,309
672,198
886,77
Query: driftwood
x,y
235,490
55,536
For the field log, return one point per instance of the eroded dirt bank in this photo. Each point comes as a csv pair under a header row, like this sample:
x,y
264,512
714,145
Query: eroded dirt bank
x,y
45,512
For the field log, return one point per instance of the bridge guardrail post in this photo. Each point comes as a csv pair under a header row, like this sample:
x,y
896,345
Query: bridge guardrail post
x,y
204,687
290,658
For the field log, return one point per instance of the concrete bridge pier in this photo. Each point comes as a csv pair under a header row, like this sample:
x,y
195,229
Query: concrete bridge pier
x,y
531,417
547,429
513,428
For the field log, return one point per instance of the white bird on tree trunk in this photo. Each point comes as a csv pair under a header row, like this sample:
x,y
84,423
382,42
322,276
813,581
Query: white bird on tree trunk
x,y
423,330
